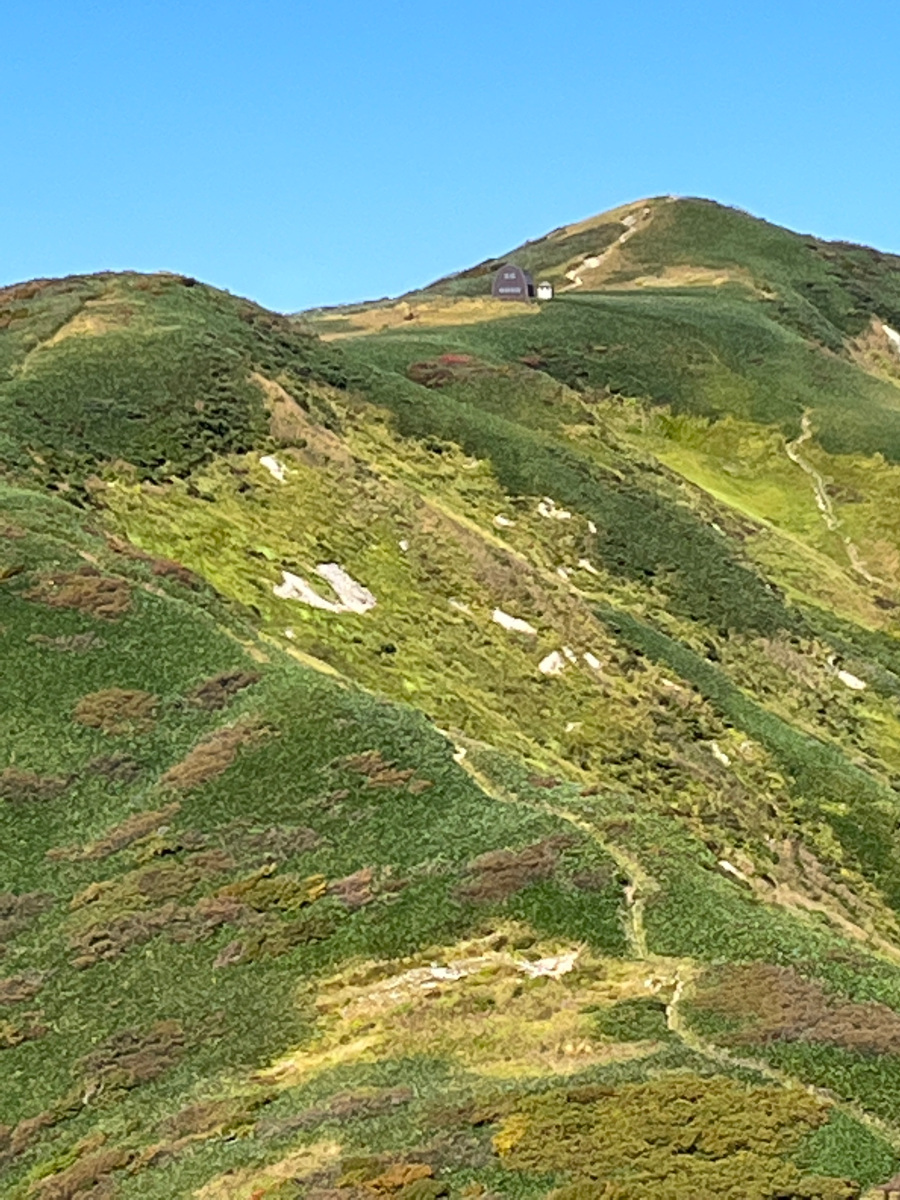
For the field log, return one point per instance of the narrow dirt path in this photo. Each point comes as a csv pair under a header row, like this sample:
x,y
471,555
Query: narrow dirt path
x,y
640,884
823,500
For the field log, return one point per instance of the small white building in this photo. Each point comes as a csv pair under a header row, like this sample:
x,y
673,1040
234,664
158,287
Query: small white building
x,y
545,290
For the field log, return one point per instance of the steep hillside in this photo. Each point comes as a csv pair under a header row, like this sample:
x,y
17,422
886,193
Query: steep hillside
x,y
444,740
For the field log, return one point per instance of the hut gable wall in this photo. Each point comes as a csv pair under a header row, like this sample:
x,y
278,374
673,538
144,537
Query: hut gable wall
x,y
512,283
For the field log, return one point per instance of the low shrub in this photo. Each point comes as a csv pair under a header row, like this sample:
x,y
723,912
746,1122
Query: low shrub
x,y
117,711
85,590
18,786
501,873
214,754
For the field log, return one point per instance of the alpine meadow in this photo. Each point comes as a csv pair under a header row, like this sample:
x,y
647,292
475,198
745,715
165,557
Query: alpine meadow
x,y
451,744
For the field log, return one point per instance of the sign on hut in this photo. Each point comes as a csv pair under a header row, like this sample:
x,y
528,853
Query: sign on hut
x,y
512,283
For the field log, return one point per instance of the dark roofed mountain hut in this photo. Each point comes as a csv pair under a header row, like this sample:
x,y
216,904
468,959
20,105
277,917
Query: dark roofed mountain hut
x,y
512,283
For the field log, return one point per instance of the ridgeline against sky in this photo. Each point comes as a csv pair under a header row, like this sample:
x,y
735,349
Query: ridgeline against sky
x,y
308,154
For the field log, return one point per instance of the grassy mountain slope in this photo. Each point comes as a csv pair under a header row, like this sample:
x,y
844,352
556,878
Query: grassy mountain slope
x,y
563,806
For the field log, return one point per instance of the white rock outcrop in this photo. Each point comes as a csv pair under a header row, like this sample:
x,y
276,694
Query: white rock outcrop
x,y
352,597
851,681
515,624
553,664
274,467
547,508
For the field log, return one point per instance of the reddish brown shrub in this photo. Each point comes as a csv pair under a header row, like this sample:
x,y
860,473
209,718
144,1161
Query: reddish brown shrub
x,y
166,568
377,771
119,766
345,1106
22,787
85,590
132,829
117,711
280,841
398,1176
29,1128
27,1027
263,891
273,937
380,773
130,1057
84,1177
214,755
501,873
24,291
108,940
770,1003
17,910
213,1116
417,786
544,781
445,370
354,891
76,643
127,549
171,880
213,694
25,986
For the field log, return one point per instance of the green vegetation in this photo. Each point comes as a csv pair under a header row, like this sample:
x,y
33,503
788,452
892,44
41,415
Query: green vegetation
x,y
455,760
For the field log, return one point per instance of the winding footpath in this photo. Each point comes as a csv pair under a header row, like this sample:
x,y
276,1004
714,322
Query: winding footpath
x,y
823,500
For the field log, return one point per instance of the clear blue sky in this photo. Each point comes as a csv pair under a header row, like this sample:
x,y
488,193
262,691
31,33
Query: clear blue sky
x,y
316,151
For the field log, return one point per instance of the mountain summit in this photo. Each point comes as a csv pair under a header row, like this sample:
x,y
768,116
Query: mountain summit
x,y
451,746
